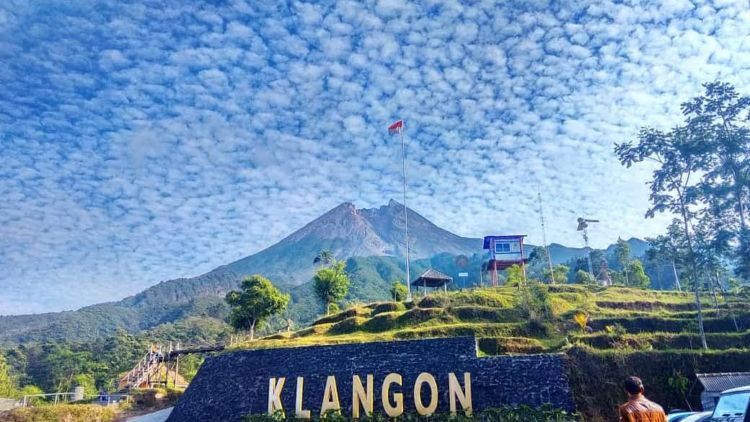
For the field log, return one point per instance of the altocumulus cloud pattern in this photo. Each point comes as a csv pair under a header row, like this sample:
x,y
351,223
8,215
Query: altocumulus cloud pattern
x,y
144,141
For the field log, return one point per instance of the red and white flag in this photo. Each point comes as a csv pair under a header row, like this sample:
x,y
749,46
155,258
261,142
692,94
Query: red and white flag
x,y
396,127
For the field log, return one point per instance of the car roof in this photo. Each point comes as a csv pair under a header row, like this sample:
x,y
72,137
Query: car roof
x,y
736,390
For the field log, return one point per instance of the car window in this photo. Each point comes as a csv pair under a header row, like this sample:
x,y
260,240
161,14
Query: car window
x,y
732,404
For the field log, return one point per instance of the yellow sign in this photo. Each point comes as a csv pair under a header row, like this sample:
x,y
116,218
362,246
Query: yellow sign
x,y
391,395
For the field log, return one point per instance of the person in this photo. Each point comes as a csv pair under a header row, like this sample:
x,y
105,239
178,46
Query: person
x,y
638,408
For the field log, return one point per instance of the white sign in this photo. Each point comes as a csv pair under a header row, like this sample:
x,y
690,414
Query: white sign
x,y
463,274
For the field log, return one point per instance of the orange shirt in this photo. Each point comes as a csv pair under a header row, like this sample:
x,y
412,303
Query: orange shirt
x,y
640,409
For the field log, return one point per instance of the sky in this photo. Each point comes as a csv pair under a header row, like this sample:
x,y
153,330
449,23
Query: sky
x,y
145,141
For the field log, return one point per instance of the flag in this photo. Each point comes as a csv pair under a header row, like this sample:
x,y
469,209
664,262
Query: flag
x,y
396,127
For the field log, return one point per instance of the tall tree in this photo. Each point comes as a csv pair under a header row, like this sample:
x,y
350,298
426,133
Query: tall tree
x,y
679,158
331,283
559,274
670,248
638,277
398,291
257,300
721,119
622,252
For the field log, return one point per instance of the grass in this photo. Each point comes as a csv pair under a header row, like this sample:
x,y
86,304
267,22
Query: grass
x,y
652,334
64,412
645,320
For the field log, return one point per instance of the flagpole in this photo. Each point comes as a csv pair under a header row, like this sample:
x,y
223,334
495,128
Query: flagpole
x,y
406,214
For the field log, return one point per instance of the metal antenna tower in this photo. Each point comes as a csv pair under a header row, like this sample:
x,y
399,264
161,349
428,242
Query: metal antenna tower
x,y
544,237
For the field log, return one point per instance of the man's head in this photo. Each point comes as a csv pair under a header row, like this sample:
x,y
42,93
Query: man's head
x,y
633,385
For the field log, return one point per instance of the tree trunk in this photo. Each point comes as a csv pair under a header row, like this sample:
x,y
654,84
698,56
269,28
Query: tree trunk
x,y
729,305
676,276
702,332
715,299
252,331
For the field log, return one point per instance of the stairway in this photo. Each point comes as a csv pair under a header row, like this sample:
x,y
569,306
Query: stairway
x,y
145,370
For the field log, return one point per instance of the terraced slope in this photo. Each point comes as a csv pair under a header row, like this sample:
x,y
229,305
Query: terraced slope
x,y
619,318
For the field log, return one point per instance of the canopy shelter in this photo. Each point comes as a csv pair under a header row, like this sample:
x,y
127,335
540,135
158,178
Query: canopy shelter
x,y
434,279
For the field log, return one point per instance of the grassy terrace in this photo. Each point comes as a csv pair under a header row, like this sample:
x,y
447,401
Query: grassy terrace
x,y
648,333
621,318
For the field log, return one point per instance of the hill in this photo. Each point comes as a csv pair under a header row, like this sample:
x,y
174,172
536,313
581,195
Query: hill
x,y
648,333
369,239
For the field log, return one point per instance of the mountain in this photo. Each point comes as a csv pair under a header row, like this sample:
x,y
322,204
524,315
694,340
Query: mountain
x,y
350,232
369,239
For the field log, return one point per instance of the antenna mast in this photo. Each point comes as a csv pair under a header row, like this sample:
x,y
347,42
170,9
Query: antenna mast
x,y
544,238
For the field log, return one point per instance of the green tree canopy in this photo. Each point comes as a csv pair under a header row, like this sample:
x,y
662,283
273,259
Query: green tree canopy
x,y
622,253
398,291
257,300
583,277
560,274
7,384
638,277
331,283
514,276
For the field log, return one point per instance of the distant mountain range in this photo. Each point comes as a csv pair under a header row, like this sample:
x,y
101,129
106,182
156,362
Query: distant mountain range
x,y
371,240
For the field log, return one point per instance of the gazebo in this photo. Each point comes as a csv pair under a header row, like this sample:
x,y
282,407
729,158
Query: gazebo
x,y
434,279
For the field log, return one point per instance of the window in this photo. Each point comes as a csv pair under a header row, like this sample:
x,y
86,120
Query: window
x,y
502,247
732,405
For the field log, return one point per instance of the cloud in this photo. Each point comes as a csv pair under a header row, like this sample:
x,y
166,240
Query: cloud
x,y
142,142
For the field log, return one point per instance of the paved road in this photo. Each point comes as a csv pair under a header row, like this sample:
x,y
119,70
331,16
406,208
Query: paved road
x,y
159,416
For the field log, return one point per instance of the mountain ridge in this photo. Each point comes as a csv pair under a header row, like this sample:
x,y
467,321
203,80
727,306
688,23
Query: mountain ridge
x,y
371,240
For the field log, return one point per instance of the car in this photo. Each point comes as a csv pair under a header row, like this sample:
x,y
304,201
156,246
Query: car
x,y
733,406
678,415
686,416
698,417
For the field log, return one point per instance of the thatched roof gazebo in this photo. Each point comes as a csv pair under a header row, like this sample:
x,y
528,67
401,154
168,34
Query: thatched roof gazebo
x,y
434,279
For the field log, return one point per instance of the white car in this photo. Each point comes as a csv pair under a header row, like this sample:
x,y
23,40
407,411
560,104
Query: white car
x,y
698,417
733,406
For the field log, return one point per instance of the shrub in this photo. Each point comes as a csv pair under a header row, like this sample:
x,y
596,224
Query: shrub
x,y
380,308
534,302
498,346
63,412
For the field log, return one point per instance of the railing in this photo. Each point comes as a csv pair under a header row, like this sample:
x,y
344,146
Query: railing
x,y
59,398
56,398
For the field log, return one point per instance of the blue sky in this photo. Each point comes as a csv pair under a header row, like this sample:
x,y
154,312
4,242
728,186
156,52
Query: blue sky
x,y
148,141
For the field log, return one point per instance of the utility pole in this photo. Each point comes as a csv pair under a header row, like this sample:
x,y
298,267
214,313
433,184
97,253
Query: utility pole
x,y
544,238
406,212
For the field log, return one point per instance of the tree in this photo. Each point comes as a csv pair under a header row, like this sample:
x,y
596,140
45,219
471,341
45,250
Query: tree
x,y
7,384
537,263
670,248
583,277
638,277
679,158
324,257
257,300
331,283
719,119
622,252
398,291
560,274
514,276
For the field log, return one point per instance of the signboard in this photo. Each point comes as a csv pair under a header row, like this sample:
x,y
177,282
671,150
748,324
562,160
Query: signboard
x,y
463,274
390,378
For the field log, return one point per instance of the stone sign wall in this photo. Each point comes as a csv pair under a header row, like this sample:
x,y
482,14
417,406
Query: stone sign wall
x,y
445,374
